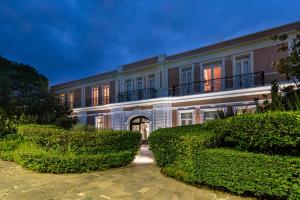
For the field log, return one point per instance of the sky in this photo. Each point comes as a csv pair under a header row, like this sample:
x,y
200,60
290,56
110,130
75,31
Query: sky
x,y
72,39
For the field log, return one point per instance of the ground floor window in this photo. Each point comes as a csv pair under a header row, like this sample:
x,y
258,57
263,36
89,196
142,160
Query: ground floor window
x,y
186,118
99,122
209,115
245,109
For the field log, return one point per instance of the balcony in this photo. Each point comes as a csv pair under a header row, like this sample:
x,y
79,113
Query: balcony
x,y
214,85
221,84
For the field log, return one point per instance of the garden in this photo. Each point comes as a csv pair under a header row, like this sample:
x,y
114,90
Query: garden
x,y
51,149
251,154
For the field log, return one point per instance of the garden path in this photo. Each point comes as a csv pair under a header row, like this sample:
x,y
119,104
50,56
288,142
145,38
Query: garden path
x,y
140,180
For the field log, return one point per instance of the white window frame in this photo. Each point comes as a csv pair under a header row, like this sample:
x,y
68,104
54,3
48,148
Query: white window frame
x,y
137,79
182,68
243,107
151,77
179,112
202,111
129,80
236,58
96,124
219,61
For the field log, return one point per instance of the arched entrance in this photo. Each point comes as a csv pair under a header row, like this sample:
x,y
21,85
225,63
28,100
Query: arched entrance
x,y
140,124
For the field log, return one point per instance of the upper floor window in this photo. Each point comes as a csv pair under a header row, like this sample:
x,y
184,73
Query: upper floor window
x,y
139,83
241,72
128,86
71,99
186,79
99,122
212,77
62,98
152,81
95,96
106,94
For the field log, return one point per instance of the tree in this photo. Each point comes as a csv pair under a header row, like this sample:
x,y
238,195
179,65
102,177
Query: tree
x,y
25,92
289,66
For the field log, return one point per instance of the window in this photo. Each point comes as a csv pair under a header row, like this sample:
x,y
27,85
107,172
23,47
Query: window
x,y
95,96
186,78
152,81
242,78
106,94
245,109
209,115
139,83
128,85
99,122
62,98
212,77
71,99
186,118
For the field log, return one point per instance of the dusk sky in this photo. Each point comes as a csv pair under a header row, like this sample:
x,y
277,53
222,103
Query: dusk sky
x,y
69,39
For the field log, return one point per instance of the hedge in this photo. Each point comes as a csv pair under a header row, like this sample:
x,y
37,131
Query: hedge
x,y
47,148
41,160
167,144
244,173
271,133
80,140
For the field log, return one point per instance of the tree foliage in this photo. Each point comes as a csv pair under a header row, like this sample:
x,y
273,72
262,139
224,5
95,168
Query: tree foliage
x,y
24,92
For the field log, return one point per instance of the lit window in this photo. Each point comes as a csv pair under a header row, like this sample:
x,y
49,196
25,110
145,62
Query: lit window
x,y
212,78
186,118
95,96
62,98
99,122
106,94
209,115
71,99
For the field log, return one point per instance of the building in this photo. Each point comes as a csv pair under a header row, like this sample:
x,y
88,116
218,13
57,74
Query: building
x,y
185,88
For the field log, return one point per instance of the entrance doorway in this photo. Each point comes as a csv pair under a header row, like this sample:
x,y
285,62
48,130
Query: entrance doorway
x,y
141,124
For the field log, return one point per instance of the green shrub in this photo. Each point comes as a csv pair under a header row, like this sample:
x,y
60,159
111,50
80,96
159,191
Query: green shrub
x,y
6,125
41,160
167,144
8,145
80,139
264,176
271,133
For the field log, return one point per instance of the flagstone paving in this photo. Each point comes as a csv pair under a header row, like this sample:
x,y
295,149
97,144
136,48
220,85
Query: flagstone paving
x,y
140,180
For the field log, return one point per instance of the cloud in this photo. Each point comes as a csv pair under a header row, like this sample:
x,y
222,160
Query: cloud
x,y
72,39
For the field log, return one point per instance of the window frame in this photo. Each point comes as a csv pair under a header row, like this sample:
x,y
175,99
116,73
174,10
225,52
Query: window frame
x,y
96,123
179,112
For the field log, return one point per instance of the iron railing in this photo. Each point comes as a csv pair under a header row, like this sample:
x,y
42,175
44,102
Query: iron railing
x,y
221,84
213,85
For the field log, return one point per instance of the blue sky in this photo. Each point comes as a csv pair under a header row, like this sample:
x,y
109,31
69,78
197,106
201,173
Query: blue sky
x,y
71,39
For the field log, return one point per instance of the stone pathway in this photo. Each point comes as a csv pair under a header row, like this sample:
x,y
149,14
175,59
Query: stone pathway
x,y
140,180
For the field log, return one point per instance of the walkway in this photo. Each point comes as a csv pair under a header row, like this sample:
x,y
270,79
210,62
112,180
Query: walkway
x,y
140,180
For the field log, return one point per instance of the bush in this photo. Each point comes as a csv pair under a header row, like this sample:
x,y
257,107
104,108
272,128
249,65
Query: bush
x,y
271,133
80,139
168,143
41,160
48,148
264,176
6,125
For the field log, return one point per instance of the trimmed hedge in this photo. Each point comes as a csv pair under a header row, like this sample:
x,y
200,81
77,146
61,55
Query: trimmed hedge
x,y
244,173
40,160
271,133
80,140
52,149
166,144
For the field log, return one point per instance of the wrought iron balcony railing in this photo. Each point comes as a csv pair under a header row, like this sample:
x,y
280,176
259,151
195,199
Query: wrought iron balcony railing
x,y
213,85
221,84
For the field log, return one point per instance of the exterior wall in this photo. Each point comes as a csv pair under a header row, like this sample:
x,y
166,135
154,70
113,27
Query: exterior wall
x,y
77,95
173,77
263,59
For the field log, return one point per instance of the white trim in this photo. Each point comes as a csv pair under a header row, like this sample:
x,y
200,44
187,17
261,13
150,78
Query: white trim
x,y
206,96
179,112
